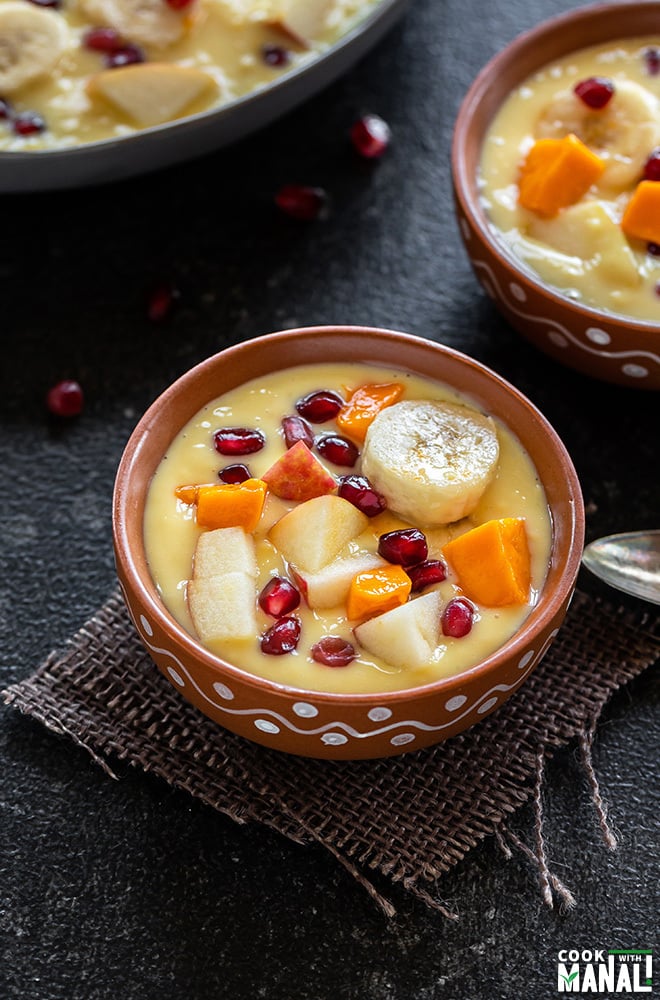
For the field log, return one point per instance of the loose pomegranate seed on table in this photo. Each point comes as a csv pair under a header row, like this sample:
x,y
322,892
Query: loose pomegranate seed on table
x,y
297,429
236,473
333,651
596,92
426,573
282,637
65,399
102,40
370,136
238,440
279,597
457,618
320,406
28,123
359,491
405,546
302,202
652,166
127,55
161,302
275,55
337,449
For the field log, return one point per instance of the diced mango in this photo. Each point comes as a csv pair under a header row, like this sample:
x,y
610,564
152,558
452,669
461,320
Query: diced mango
x,y
492,562
364,404
377,590
226,505
557,173
641,218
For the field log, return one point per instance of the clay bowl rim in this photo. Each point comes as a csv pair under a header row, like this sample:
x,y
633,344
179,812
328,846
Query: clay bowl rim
x,y
583,26
125,513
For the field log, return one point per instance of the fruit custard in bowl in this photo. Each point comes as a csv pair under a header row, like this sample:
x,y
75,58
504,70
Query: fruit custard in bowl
x,y
78,71
570,175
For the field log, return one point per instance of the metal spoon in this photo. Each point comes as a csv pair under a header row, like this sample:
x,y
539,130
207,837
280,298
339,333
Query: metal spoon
x,y
629,562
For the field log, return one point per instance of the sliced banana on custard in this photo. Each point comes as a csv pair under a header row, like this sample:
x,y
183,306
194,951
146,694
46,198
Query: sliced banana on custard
x,y
32,39
622,133
432,461
146,22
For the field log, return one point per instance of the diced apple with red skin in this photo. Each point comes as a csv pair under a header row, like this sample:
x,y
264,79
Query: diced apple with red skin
x,y
222,593
407,636
314,532
298,475
329,586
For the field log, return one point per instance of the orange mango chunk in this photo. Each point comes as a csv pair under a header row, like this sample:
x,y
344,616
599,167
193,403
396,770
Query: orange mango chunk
x,y
377,590
641,218
557,173
226,505
363,406
492,562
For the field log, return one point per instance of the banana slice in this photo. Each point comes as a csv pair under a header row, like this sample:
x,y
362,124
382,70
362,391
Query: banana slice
x,y
432,461
623,133
146,22
32,39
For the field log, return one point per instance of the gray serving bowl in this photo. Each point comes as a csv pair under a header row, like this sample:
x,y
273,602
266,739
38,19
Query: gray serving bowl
x,y
186,138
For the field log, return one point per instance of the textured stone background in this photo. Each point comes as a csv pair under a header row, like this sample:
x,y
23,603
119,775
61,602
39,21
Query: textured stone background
x,y
131,891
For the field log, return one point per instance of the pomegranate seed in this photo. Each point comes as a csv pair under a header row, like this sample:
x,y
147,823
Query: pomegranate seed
x,y
359,491
65,399
279,597
6,110
595,91
427,573
179,4
236,473
457,618
296,429
337,449
275,55
333,651
302,202
320,406
162,300
370,136
406,546
652,60
127,55
28,123
238,440
652,166
282,637
653,249
657,289
47,3
102,40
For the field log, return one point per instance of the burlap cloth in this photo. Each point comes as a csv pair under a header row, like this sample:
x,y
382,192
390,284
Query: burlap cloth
x,y
411,817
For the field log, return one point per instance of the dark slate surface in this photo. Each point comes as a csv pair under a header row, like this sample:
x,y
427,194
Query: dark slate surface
x,y
128,890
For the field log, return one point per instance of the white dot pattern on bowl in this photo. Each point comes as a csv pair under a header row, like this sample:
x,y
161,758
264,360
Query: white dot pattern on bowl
x,y
401,739
634,371
334,739
176,677
455,703
597,336
146,626
379,714
558,339
223,691
304,710
526,659
264,726
487,705
518,292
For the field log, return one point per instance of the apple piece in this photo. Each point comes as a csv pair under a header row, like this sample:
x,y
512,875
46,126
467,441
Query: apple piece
x,y
223,606
407,636
303,20
151,93
329,586
224,550
298,475
316,531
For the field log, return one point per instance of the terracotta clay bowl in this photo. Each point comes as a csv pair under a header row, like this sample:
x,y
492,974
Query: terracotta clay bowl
x,y
307,722
606,346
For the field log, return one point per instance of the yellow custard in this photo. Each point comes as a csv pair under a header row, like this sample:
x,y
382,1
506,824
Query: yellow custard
x,y
171,532
582,250
218,50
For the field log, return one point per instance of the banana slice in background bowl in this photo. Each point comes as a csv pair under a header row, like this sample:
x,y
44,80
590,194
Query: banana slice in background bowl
x,y
32,40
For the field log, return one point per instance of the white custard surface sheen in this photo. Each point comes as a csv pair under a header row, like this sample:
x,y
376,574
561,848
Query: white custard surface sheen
x,y
171,532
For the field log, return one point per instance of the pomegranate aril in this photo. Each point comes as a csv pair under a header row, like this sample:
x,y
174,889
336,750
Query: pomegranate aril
x,y
370,136
653,249
161,302
297,429
652,166
47,3
359,491
279,597
127,55
238,440
275,55
652,61
302,202
320,406
179,4
337,449
425,574
102,40
405,546
28,123
596,92
333,651
282,637
236,473
457,618
65,399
